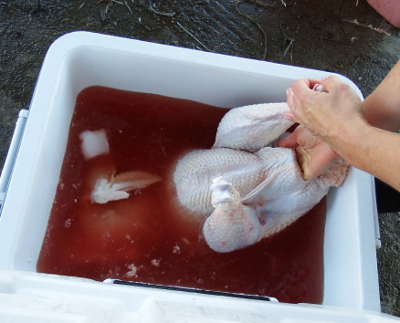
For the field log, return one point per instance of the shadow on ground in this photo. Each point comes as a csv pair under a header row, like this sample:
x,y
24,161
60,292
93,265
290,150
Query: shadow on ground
x,y
315,34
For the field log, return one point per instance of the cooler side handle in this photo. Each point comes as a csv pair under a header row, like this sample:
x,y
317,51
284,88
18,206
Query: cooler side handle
x,y
12,153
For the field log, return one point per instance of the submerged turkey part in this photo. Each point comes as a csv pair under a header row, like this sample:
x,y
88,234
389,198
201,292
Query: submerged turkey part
x,y
241,190
245,188
109,186
232,225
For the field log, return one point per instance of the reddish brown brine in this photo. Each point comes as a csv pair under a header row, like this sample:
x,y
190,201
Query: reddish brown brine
x,y
146,238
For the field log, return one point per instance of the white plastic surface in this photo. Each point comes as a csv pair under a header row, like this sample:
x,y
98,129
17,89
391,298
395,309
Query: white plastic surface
x,y
81,59
32,297
12,154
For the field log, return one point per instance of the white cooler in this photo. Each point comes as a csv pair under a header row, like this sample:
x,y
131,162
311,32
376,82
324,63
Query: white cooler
x,y
29,180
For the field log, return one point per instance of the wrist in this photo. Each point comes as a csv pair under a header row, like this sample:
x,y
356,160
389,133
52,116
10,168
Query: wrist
x,y
348,140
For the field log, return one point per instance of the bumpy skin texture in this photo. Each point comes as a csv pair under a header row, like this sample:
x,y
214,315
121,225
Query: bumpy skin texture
x,y
256,190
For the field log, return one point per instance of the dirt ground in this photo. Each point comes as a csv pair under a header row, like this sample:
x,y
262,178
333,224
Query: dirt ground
x,y
315,34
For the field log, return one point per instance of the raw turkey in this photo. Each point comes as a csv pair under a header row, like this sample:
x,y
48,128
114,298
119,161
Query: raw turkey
x,y
245,188
241,190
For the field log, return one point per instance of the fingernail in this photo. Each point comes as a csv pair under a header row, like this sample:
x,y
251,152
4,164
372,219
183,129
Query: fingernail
x,y
289,116
318,88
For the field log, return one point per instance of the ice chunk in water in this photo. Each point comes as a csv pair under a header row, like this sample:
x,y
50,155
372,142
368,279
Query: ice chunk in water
x,y
94,143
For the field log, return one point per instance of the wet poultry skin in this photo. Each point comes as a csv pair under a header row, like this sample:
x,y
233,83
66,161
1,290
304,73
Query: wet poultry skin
x,y
244,188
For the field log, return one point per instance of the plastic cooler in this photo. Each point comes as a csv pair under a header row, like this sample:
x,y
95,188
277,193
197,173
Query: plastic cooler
x,y
78,60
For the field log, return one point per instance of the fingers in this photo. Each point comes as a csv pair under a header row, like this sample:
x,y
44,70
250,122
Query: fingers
x,y
304,88
303,159
292,103
289,116
296,101
300,137
325,114
321,159
305,138
304,84
315,161
331,83
308,101
289,142
313,155
321,109
289,98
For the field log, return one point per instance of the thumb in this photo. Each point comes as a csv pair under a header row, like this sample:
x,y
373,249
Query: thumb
x,y
289,142
315,161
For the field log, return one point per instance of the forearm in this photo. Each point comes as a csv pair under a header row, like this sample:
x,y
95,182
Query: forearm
x,y
372,150
382,107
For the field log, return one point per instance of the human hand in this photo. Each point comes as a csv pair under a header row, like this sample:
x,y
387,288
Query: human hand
x,y
326,114
313,155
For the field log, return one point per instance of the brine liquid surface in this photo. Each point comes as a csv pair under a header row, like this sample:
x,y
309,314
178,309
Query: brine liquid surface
x,y
146,238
